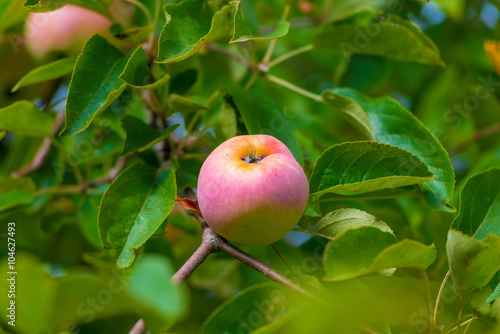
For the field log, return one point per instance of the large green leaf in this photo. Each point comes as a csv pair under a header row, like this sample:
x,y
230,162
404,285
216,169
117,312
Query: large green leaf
x,y
395,125
242,34
473,263
159,301
351,110
273,303
15,191
380,35
26,118
368,249
137,73
11,13
190,24
263,115
357,167
141,136
132,208
480,205
100,6
338,221
50,71
95,83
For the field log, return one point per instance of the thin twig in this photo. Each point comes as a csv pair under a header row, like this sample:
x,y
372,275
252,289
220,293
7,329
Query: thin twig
x,y
491,130
440,293
285,261
289,55
293,87
237,57
43,151
313,232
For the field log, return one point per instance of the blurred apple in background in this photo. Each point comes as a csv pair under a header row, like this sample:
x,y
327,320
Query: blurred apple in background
x,y
251,190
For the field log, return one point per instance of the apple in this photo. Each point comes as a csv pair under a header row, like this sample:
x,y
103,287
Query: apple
x,y
251,190
67,27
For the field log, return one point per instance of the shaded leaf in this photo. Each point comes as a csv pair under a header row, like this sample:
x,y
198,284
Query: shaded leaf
x,y
179,103
355,167
479,212
473,263
242,34
182,82
141,136
137,73
263,115
272,302
26,118
381,35
95,84
50,71
394,125
158,300
15,191
351,111
133,207
190,24
41,6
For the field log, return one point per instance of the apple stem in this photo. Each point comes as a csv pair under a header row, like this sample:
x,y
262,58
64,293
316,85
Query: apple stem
x,y
213,243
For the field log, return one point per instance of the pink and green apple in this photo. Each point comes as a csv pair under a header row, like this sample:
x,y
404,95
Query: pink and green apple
x,y
251,190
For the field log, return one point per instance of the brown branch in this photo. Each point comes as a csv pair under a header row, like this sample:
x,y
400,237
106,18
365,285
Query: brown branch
x,y
43,151
491,130
213,243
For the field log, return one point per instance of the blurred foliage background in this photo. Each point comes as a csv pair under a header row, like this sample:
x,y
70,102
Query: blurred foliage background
x,y
57,234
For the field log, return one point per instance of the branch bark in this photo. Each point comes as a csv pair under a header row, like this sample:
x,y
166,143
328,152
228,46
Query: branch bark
x,y
213,243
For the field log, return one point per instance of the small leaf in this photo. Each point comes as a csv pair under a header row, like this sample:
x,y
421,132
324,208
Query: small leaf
x,y
368,249
179,103
95,84
355,167
394,125
351,111
384,35
133,207
242,34
272,302
158,300
189,204
141,136
480,205
15,192
190,24
24,117
336,222
473,263
50,71
137,73
263,115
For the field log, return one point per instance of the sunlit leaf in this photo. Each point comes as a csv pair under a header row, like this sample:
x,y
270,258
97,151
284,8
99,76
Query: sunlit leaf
x,y
15,191
137,73
357,167
132,209
24,117
40,6
50,71
95,83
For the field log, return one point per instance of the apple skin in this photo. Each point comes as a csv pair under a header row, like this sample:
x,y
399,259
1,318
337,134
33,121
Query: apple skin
x,y
252,204
67,27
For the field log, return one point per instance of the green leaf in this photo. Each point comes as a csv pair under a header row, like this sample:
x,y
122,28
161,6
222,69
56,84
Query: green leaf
x,y
227,119
263,115
473,263
336,222
95,84
368,249
134,35
394,125
190,24
272,302
183,82
159,301
385,35
11,13
179,103
351,111
242,34
137,73
50,71
133,207
141,136
26,118
15,192
479,212
41,6
356,167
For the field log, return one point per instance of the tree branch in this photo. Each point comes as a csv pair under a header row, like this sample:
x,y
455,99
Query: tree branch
x,y
477,136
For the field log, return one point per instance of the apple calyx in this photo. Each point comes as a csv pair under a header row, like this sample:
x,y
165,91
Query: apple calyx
x,y
252,159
